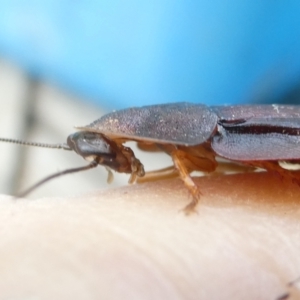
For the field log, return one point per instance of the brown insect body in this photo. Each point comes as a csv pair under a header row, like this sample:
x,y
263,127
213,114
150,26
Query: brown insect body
x,y
194,134
265,136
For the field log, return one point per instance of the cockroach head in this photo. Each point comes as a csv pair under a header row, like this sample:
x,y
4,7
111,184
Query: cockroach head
x,y
92,146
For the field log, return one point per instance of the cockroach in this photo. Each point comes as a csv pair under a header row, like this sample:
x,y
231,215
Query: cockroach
x,y
263,136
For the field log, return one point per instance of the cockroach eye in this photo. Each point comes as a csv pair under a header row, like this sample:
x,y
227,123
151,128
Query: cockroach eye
x,y
90,144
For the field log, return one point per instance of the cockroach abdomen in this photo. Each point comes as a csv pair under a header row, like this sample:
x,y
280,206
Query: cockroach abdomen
x,y
257,133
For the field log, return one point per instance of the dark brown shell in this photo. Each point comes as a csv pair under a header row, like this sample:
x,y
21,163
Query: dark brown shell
x,y
175,123
242,133
258,132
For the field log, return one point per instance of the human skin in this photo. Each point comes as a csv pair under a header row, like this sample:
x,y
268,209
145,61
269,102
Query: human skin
x,y
136,242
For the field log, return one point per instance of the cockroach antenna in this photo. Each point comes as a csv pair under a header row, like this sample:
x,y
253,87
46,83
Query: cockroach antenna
x,y
93,164
42,145
63,146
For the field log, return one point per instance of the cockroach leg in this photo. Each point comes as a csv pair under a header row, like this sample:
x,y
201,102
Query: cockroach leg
x,y
232,167
278,169
161,174
110,175
137,168
177,156
91,165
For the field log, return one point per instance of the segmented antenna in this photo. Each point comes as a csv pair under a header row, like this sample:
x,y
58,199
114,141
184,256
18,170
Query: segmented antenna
x,y
43,145
93,164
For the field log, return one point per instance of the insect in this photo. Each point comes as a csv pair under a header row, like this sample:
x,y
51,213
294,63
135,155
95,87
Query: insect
x,y
264,136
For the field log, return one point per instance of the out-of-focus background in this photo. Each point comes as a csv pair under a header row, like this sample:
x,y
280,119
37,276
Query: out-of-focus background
x,y
65,63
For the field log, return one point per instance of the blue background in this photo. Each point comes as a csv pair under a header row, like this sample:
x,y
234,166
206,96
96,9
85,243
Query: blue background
x,y
122,53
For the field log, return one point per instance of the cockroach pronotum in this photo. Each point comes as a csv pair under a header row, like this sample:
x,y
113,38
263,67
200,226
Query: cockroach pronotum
x,y
264,136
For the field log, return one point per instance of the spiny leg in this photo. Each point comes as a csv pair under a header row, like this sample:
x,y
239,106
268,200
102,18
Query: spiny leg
x,y
110,175
282,169
137,168
161,174
177,157
232,167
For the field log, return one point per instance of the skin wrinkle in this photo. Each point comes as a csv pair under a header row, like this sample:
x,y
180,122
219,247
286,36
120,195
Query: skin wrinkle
x,y
165,246
150,264
263,254
241,244
142,245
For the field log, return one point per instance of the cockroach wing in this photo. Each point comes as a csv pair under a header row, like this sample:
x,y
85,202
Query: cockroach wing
x,y
249,133
177,123
247,112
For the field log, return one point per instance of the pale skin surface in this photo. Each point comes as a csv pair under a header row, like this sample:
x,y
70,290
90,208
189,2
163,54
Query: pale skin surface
x,y
135,243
